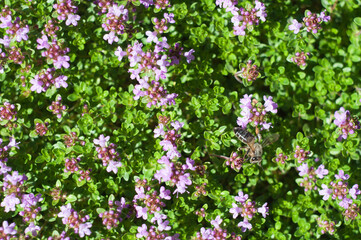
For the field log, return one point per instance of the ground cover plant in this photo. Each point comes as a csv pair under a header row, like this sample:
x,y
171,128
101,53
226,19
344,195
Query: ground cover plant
x,y
160,119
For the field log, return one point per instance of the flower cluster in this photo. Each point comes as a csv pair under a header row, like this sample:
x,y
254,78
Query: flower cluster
x,y
115,23
41,128
54,52
300,154
300,58
216,233
235,161
346,123
46,79
309,175
281,158
154,233
66,10
17,30
8,114
111,218
249,73
338,190
107,153
72,219
57,108
326,226
15,196
154,65
7,230
246,208
312,22
255,112
169,131
150,197
244,19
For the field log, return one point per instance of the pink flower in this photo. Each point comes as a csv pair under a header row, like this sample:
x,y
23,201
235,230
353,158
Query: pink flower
x,y
321,171
303,169
120,53
113,166
354,191
189,55
32,229
325,192
341,175
9,229
141,212
84,229
142,231
244,225
216,222
263,210
21,34
10,202
152,36
5,41
102,141
295,26
110,37
61,61
42,42
72,19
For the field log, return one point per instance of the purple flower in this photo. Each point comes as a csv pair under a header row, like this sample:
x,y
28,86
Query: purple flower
x,y
325,192
142,231
263,210
345,203
5,41
42,42
61,61
4,168
61,81
72,19
341,175
184,180
303,169
241,198
321,171
9,229
295,26
169,17
159,131
235,210
21,34
216,222
152,36
65,212
5,21
13,143
354,191
163,225
244,225
84,229
29,200
110,37
177,125
324,17
164,193
141,212
120,53
113,166
158,217
340,117
189,55
9,202
269,105
32,229
102,141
